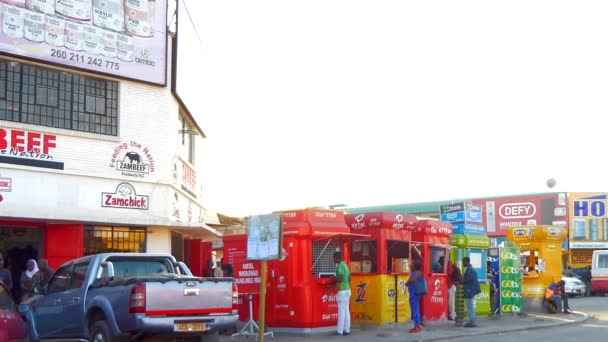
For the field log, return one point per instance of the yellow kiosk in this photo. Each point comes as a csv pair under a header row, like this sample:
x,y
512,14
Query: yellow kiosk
x,y
541,259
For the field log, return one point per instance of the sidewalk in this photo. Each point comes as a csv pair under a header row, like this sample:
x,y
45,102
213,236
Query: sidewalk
x,y
436,331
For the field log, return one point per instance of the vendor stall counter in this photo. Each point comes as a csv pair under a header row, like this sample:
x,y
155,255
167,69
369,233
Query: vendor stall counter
x,y
431,246
541,256
380,267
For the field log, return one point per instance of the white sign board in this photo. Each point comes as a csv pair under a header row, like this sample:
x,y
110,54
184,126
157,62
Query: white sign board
x,y
264,237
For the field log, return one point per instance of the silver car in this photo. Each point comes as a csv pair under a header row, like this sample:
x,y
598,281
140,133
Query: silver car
x,y
574,286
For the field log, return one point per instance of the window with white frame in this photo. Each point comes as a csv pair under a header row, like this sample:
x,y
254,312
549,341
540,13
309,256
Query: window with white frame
x,y
187,136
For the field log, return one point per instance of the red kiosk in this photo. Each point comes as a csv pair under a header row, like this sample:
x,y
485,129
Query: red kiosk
x,y
301,289
430,244
380,267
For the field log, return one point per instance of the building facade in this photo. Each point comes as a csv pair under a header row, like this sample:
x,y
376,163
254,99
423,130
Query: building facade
x,y
92,163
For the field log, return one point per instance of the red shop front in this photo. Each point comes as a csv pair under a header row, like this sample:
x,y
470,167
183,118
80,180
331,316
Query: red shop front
x,y
301,290
431,246
23,240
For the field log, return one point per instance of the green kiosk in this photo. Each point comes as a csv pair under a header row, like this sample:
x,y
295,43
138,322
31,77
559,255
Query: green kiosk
x,y
469,239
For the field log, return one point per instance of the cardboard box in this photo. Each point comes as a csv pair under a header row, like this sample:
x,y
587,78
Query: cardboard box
x,y
355,267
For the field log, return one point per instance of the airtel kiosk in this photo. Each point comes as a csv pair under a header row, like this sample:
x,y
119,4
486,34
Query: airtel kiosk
x,y
380,267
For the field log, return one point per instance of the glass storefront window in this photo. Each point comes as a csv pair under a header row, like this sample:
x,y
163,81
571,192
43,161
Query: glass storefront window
x,y
104,239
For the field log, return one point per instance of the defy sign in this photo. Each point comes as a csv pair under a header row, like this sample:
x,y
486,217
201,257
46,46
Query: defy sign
x,y
504,212
124,197
517,210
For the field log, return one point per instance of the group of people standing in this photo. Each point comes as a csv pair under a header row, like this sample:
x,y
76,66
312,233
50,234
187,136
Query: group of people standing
x,y
32,275
414,284
217,271
469,282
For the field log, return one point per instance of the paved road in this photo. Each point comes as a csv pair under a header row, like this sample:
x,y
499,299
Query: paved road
x,y
595,329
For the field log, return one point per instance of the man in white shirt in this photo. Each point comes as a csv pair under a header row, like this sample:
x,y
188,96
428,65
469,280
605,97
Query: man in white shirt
x,y
217,271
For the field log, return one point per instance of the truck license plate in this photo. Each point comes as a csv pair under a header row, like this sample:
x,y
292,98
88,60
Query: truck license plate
x,y
191,326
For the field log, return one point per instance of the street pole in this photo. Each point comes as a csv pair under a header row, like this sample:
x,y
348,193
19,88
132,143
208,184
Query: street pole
x,y
264,269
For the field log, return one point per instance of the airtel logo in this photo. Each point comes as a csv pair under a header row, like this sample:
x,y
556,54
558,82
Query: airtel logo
x,y
359,218
517,210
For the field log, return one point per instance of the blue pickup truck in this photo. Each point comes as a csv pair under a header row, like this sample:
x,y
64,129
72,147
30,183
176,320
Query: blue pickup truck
x,y
127,297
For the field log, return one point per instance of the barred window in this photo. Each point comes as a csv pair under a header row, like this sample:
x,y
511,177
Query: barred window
x,y
46,97
104,239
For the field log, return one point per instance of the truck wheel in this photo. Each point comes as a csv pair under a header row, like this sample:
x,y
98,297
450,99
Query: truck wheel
x,y
100,332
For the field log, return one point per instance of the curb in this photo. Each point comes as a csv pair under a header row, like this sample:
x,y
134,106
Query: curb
x,y
585,318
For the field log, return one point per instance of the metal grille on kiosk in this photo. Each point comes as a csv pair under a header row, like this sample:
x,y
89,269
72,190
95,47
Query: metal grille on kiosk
x,y
323,257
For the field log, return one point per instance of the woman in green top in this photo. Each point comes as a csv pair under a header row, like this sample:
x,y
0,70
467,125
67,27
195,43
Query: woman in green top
x,y
342,280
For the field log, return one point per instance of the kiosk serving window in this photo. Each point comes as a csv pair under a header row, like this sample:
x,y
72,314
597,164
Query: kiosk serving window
x,y
323,258
364,257
398,260
438,258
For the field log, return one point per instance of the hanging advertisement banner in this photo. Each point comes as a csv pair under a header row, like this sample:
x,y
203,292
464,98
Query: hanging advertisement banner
x,y
122,38
510,281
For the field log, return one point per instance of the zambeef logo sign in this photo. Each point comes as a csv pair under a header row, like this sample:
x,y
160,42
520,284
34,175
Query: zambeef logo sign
x,y
132,159
125,197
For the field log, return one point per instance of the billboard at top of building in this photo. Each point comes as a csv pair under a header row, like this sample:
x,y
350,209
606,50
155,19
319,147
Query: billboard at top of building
x,y
503,212
588,220
122,38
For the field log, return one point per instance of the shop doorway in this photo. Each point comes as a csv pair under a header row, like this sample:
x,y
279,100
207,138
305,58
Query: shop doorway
x,y
17,245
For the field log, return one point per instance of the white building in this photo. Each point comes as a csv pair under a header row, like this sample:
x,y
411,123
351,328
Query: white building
x,y
90,162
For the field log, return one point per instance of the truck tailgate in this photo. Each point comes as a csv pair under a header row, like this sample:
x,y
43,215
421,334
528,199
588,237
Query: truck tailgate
x,y
190,297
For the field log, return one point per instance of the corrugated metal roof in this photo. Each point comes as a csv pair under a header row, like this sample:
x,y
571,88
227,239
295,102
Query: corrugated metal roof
x,y
427,207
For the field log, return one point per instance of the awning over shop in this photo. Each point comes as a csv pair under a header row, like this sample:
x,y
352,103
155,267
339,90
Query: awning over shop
x,y
465,240
343,236
198,230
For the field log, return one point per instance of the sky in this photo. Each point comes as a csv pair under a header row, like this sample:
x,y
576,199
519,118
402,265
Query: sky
x,y
315,103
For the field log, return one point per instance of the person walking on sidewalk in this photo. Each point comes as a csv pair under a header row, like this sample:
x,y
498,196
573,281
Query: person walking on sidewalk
x,y
414,298
342,280
471,289
454,278
586,278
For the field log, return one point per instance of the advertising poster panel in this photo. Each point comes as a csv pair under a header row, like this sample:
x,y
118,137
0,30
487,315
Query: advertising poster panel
x,y
264,237
122,38
588,221
510,281
501,213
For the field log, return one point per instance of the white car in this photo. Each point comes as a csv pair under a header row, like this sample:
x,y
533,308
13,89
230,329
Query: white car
x,y
574,286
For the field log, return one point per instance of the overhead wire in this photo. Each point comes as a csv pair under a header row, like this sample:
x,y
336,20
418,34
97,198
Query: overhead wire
x,y
192,22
